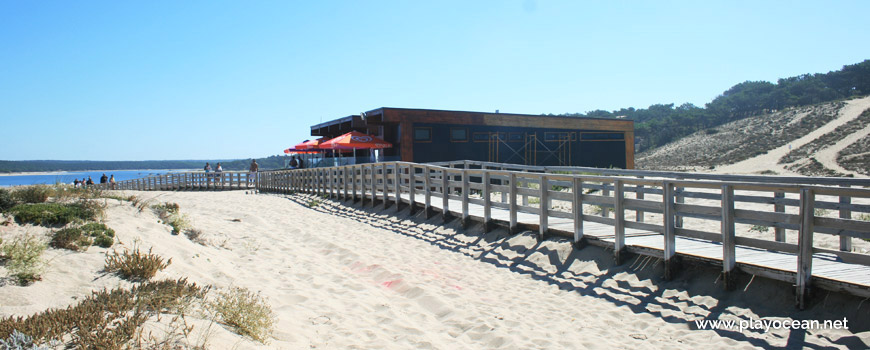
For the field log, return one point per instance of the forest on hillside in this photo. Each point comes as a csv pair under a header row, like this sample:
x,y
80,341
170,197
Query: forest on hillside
x,y
272,162
660,124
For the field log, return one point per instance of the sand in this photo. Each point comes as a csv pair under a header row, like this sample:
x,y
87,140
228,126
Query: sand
x,y
340,277
827,156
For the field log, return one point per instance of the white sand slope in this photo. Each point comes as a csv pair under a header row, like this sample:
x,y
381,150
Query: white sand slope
x,y
340,277
769,160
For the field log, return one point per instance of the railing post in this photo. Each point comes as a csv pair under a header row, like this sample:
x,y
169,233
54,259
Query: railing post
x,y
845,213
445,195
487,202
397,185
412,189
639,194
778,232
577,210
513,227
729,258
678,221
374,185
805,248
605,211
427,183
344,183
385,188
466,220
619,250
670,243
543,215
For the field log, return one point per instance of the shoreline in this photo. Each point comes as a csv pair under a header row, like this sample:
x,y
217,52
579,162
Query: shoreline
x,y
67,172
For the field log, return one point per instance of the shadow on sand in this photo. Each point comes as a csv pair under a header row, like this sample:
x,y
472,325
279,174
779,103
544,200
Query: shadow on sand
x,y
695,294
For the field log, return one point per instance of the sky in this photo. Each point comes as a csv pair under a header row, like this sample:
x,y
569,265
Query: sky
x,y
153,80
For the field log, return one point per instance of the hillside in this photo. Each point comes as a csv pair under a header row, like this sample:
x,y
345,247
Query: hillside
x,y
827,139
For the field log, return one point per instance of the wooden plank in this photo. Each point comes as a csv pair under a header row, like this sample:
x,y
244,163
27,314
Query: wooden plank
x,y
729,258
465,189
445,190
512,211
412,188
619,217
487,202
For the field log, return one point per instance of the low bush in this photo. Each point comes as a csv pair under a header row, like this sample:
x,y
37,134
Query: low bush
x,y
67,193
245,311
53,213
170,214
32,194
24,258
135,265
6,200
759,228
107,319
82,237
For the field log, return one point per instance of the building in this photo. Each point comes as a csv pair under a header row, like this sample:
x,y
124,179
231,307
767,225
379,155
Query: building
x,y
425,135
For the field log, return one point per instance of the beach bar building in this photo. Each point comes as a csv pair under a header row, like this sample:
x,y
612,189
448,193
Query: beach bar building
x,y
425,135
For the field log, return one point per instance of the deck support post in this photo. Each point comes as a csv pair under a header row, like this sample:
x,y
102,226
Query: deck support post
x,y
543,214
639,194
845,213
778,232
397,185
620,254
374,185
487,203
445,195
729,258
466,219
577,210
427,188
385,185
412,189
670,243
513,227
805,248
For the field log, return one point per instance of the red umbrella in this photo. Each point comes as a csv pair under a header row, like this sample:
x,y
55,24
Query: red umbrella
x,y
308,145
355,140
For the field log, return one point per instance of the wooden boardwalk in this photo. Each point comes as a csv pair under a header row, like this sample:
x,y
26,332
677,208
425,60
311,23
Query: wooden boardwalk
x,y
550,200
827,266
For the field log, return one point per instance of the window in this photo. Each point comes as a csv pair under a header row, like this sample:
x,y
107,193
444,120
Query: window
x,y
556,136
481,137
459,134
602,136
515,136
422,134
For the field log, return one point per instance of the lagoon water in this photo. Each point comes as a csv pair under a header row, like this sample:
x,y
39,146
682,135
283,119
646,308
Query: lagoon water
x,y
69,177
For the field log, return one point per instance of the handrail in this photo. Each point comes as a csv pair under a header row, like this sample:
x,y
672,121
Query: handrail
x,y
729,200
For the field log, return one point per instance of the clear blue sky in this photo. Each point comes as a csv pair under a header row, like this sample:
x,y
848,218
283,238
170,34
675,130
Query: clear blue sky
x,y
136,80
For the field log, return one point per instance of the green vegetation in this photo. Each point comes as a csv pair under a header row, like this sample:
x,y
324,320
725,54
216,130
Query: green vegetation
x,y
662,123
759,228
107,319
135,266
821,212
24,258
246,312
32,194
82,237
46,214
6,200
170,214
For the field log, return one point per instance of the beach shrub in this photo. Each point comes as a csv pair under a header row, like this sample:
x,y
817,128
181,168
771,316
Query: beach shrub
x,y
107,319
53,213
32,194
82,237
246,312
24,258
169,213
135,265
19,341
6,200
759,228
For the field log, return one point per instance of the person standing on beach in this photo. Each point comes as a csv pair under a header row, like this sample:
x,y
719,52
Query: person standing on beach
x,y
252,176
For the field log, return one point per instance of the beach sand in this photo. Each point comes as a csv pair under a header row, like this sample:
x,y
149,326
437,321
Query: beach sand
x,y
338,276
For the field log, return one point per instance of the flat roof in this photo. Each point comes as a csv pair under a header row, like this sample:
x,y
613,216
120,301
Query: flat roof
x,y
380,110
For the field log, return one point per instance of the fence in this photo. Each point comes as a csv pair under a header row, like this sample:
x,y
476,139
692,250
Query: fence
x,y
550,200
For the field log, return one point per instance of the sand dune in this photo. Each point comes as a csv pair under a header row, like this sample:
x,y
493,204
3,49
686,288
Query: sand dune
x,y
343,277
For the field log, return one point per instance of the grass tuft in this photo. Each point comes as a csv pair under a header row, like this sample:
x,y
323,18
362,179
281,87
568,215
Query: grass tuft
x,y
49,214
171,215
135,266
32,194
24,258
6,200
82,237
245,311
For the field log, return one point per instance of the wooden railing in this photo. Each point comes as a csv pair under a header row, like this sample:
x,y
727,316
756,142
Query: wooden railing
x,y
733,200
653,202
226,180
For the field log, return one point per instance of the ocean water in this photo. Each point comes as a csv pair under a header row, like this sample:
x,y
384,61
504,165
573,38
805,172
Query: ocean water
x,y
69,177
